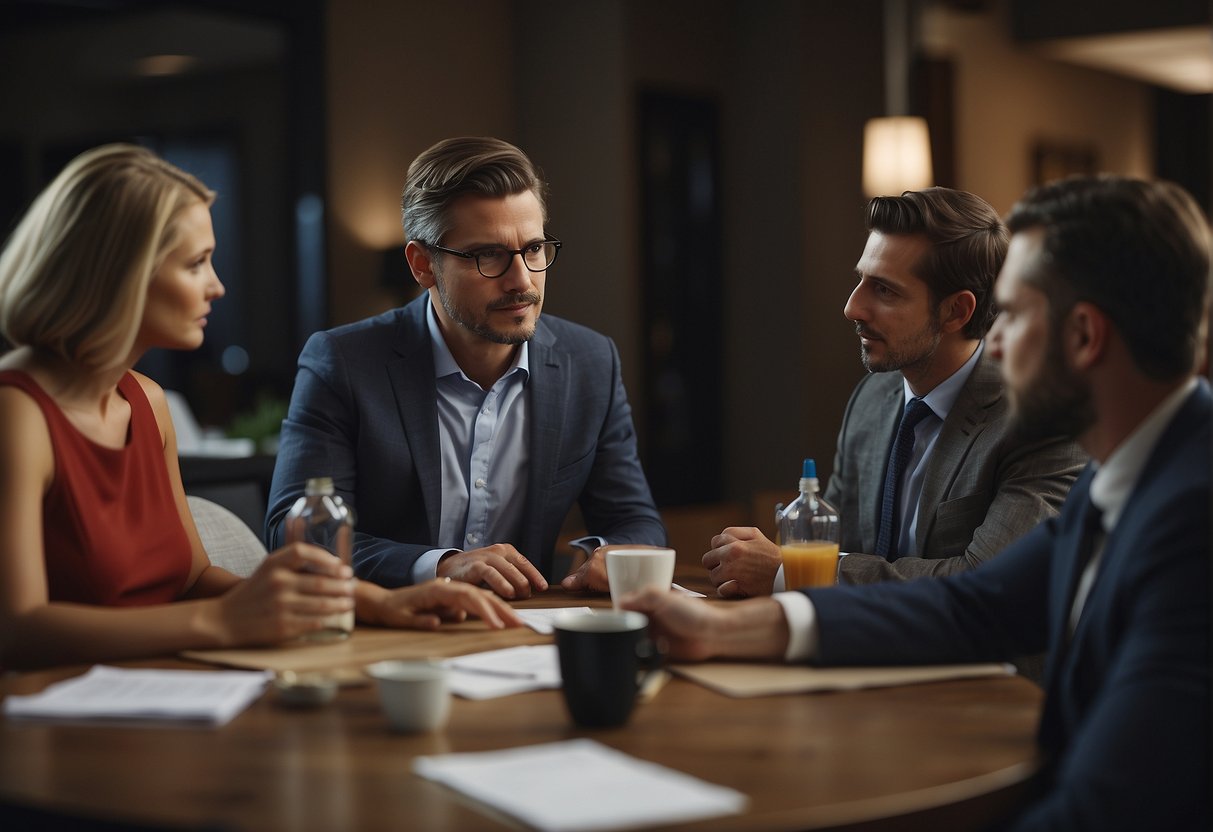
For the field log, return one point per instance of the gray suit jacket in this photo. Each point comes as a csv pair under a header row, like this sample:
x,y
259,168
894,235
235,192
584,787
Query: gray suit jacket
x,y
983,487
364,411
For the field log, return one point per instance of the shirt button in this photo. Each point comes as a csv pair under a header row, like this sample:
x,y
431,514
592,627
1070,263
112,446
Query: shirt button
x,y
480,483
471,537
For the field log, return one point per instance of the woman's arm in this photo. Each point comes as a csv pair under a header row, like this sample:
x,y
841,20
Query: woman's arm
x,y
279,602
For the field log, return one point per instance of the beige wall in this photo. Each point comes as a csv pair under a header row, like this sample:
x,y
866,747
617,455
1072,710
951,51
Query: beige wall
x,y
401,76
794,81
1008,98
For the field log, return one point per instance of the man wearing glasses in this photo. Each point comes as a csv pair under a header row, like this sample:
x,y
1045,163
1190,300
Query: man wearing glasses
x,y
462,426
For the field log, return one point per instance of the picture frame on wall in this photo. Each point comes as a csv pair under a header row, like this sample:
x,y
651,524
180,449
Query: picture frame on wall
x,y
1053,160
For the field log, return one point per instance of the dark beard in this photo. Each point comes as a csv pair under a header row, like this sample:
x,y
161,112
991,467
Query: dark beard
x,y
918,353
1057,402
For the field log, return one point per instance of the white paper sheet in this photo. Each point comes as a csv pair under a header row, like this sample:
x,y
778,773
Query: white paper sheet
x,y
207,697
540,620
580,785
504,672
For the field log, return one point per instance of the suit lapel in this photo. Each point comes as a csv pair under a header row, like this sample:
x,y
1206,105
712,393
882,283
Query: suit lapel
x,y
1063,580
548,391
1066,567
413,384
873,459
966,420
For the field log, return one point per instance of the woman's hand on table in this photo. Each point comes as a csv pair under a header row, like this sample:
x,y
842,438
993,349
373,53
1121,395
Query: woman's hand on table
x,y
292,593
425,606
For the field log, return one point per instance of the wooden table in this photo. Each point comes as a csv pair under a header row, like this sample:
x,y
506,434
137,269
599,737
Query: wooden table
x,y
946,755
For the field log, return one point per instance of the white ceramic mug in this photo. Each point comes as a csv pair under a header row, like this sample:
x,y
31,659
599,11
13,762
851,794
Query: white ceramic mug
x,y
631,570
414,694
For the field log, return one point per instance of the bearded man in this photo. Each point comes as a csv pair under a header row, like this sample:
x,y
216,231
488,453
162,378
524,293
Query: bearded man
x,y
1103,329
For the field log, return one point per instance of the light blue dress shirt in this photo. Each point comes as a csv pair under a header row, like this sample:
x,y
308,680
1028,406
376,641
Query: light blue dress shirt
x,y
485,454
940,400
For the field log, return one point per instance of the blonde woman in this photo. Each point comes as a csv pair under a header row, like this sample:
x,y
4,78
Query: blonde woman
x,y
99,556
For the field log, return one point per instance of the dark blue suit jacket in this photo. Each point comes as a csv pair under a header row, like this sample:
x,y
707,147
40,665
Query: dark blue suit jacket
x,y
364,411
1127,699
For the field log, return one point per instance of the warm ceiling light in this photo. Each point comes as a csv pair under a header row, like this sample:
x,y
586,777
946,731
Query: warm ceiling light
x,y
896,156
158,65
1179,58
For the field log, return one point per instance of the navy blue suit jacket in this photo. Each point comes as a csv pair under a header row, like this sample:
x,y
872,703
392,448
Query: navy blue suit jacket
x,y
1127,699
364,411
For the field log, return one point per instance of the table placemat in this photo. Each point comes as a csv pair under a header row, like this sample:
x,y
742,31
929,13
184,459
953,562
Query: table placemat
x,y
750,679
368,645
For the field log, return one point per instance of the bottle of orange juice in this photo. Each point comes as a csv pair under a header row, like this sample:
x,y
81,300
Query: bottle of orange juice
x,y
808,535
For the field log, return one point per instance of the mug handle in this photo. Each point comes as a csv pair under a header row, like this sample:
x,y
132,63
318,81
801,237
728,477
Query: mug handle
x,y
653,675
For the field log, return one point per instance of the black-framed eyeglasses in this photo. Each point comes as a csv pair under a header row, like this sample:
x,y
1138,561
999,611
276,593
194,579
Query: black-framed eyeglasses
x,y
494,261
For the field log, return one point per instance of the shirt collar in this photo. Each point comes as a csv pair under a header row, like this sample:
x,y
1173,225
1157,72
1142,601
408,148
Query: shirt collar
x,y
945,394
445,364
1115,478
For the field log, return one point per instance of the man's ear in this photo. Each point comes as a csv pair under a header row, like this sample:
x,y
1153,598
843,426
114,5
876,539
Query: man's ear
x,y
956,310
1084,335
421,263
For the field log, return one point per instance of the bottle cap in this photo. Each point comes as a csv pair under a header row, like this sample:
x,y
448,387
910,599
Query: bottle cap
x,y
319,485
810,469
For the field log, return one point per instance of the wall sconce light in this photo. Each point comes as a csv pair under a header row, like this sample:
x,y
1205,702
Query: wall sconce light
x,y
896,156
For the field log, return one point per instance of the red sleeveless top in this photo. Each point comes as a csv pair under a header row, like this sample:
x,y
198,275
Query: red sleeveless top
x,y
110,528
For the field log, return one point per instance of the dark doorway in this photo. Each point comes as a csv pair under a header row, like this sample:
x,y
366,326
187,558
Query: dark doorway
x,y
682,287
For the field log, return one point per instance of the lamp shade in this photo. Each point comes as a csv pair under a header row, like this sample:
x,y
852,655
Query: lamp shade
x,y
896,156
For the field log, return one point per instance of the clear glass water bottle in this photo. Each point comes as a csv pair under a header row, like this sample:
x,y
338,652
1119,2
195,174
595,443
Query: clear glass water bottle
x,y
808,534
323,519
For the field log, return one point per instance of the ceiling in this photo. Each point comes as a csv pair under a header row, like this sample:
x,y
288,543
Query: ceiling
x,y
1168,43
1180,58
103,40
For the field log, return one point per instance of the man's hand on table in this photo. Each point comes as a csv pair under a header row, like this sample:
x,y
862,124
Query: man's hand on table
x,y
742,563
425,606
693,629
592,575
500,567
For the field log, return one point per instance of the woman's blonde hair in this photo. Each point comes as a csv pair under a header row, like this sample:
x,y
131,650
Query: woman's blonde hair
x,y
74,274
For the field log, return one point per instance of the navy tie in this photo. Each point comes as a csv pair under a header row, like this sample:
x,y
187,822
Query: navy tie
x,y
1088,544
903,448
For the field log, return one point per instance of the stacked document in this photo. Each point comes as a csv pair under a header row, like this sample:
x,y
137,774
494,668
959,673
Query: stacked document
x,y
580,785
504,672
540,620
203,697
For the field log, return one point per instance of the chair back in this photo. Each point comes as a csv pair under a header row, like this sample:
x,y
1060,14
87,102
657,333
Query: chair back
x,y
228,541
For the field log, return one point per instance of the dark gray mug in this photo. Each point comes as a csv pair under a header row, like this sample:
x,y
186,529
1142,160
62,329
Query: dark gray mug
x,y
604,659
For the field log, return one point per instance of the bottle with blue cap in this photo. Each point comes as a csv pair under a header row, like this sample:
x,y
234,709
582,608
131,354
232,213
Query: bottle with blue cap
x,y
808,534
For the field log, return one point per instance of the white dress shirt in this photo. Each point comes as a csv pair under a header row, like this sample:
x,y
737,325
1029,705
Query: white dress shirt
x,y
1115,479
1110,489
